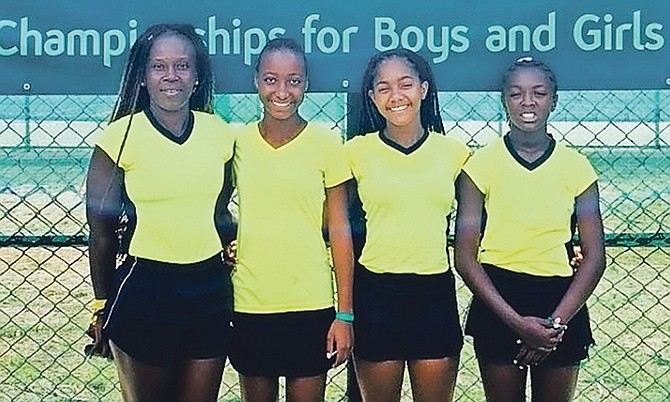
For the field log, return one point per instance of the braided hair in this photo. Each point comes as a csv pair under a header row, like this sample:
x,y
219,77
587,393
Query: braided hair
x,y
368,119
133,97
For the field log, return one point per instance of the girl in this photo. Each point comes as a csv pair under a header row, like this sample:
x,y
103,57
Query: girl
x,y
404,297
286,171
517,195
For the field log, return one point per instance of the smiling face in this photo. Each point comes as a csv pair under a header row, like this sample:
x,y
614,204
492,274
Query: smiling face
x,y
171,74
281,82
529,99
397,92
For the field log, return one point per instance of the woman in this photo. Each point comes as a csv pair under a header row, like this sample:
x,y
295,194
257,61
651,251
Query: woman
x,y
160,162
404,297
286,170
517,195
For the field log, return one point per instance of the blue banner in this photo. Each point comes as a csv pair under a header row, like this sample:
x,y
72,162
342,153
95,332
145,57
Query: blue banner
x,y
80,47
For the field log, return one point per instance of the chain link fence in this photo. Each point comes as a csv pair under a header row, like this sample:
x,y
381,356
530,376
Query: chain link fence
x,y
45,143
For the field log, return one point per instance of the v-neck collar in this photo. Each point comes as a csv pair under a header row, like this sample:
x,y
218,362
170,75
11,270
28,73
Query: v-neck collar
x,y
167,133
537,162
399,147
283,146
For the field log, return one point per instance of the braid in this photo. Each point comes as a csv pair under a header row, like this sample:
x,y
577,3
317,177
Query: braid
x,y
369,120
133,97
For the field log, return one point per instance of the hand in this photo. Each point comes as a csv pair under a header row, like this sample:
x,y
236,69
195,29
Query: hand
x,y
230,254
340,341
576,261
530,357
540,333
100,346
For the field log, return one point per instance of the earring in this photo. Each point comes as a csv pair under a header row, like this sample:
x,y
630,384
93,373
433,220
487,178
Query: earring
x,y
142,84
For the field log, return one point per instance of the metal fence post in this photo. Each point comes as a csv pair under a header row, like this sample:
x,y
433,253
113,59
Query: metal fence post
x,y
657,119
25,141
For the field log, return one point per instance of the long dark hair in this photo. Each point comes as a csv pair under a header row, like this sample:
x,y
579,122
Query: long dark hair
x,y
133,97
364,116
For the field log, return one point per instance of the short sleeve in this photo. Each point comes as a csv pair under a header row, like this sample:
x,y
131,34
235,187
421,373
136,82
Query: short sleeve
x,y
111,138
224,133
478,171
584,175
461,152
351,152
336,168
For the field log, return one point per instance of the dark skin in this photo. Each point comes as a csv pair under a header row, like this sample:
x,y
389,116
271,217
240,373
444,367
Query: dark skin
x,y
170,81
281,82
103,207
528,100
398,94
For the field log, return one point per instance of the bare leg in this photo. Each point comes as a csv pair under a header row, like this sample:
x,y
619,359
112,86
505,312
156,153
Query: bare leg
x,y
199,380
142,382
503,383
433,380
306,389
380,381
553,384
259,389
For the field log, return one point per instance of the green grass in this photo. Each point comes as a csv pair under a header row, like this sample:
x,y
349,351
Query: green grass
x,y
44,291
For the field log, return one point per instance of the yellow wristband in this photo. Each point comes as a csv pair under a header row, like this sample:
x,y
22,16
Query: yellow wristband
x,y
97,305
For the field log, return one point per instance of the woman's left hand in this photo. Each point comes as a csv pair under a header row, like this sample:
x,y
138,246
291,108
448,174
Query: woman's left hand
x,y
100,343
340,341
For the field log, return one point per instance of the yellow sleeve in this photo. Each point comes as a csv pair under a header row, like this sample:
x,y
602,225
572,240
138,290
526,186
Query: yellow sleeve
x,y
336,165
111,138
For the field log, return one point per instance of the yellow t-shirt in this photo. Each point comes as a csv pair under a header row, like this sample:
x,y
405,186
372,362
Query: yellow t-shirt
x,y
282,260
528,206
406,196
173,184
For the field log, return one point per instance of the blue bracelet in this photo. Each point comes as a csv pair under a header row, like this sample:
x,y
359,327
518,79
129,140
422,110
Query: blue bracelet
x,y
345,317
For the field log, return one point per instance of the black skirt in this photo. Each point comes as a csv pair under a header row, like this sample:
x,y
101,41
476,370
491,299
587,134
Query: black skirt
x,y
405,316
528,295
164,313
290,344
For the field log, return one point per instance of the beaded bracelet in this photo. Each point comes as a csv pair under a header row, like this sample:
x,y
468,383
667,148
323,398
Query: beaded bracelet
x,y
556,322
